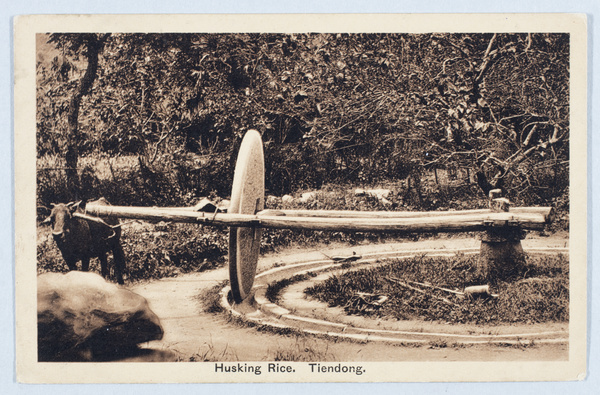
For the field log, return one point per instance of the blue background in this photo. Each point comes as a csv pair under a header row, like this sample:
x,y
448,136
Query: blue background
x,y
10,9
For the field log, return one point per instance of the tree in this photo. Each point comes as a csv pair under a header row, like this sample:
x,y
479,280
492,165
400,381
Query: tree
x,y
507,106
89,45
360,108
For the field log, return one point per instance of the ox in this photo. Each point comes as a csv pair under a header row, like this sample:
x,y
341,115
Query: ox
x,y
80,237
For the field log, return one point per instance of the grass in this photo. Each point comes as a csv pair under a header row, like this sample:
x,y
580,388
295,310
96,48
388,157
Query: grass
x,y
209,353
211,298
304,349
538,293
273,290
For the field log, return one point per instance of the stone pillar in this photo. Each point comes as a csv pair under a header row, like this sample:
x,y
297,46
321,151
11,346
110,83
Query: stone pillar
x,y
501,255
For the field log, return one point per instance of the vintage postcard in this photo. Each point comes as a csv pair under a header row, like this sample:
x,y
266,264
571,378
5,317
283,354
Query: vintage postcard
x,y
300,198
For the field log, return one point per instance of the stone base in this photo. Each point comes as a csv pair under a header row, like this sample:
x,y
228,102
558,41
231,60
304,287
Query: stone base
x,y
500,260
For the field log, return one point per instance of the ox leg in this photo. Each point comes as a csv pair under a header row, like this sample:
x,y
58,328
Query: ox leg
x,y
85,264
71,263
103,265
119,258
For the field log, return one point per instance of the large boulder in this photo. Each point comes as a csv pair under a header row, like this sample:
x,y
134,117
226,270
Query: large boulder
x,y
83,317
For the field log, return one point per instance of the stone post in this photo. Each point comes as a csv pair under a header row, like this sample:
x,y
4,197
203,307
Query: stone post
x,y
501,255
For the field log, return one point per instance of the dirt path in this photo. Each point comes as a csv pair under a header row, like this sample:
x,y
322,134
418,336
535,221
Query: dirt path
x,y
195,334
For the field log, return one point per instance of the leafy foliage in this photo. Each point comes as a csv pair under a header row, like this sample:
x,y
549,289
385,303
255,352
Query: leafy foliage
x,y
358,108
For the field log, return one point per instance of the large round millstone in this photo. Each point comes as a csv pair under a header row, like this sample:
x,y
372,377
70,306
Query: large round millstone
x,y
83,317
247,197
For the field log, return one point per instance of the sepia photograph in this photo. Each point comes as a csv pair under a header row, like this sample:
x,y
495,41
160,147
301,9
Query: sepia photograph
x,y
297,201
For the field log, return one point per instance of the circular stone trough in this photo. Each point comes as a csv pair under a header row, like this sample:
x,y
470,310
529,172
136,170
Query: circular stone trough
x,y
297,313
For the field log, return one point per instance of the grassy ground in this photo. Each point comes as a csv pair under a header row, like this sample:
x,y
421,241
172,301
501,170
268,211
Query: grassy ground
x,y
539,292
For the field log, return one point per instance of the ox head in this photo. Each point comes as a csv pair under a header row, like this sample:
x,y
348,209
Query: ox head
x,y
60,219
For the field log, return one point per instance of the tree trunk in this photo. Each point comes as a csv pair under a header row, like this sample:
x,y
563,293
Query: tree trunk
x,y
94,46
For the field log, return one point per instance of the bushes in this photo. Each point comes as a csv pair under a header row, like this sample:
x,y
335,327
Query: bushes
x,y
51,181
336,108
174,182
168,250
292,168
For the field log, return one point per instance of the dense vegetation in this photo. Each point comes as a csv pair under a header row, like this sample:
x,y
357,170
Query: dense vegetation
x,y
332,108
152,251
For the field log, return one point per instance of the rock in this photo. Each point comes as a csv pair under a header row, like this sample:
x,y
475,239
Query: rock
x,y
208,206
495,194
380,193
499,205
223,205
287,199
501,255
83,317
307,197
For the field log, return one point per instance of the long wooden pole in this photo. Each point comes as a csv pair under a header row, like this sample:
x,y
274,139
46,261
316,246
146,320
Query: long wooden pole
x,y
546,212
434,222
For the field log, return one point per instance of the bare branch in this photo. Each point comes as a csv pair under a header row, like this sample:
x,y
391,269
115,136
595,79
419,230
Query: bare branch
x,y
162,138
528,42
486,60
555,138
529,135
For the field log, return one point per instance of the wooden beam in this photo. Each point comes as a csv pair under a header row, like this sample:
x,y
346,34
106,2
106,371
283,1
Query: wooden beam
x,y
452,221
546,212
